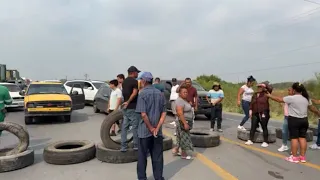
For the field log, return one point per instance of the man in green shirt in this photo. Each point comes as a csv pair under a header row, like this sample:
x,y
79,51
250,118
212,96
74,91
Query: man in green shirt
x,y
157,85
5,99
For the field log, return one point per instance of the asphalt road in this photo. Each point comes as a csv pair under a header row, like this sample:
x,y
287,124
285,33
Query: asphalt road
x,y
231,160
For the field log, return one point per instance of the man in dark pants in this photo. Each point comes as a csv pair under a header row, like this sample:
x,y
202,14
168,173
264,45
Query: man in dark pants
x,y
152,106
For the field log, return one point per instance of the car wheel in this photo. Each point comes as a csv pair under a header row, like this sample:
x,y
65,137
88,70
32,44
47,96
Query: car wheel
x,y
208,116
67,118
28,120
95,108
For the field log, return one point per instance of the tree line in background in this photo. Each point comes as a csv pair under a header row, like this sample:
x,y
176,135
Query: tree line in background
x,y
280,89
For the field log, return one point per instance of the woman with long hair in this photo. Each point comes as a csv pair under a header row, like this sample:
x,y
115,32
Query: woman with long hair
x,y
260,112
298,124
185,118
246,92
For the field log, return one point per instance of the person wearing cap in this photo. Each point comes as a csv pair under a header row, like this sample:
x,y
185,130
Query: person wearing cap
x,y
260,112
152,107
215,97
246,91
130,117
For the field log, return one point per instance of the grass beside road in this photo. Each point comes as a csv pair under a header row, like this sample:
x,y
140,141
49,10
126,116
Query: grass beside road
x,y
280,89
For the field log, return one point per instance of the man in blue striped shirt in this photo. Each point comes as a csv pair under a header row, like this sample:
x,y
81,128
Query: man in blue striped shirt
x,y
152,106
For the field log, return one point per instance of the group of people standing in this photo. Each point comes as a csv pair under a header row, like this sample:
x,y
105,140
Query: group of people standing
x,y
256,106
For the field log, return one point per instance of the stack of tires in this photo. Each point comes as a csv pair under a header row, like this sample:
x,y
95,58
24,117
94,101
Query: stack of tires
x,y
20,156
244,135
109,149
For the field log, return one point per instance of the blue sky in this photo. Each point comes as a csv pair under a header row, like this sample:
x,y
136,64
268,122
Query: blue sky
x,y
48,39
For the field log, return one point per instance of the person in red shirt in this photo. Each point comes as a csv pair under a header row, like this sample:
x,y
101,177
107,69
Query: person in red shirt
x,y
192,93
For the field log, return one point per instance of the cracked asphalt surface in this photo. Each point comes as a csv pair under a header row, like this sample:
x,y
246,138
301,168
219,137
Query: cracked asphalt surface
x,y
231,160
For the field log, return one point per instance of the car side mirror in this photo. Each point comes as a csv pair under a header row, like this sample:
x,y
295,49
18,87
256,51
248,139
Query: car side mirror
x,y
90,88
22,93
75,92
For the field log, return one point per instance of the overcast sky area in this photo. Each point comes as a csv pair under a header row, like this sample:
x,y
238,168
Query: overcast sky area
x,y
52,39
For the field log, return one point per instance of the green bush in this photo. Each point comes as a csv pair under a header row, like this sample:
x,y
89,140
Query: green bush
x,y
280,89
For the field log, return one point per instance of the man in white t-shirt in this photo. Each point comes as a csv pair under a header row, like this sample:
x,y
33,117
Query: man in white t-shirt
x,y
115,102
173,97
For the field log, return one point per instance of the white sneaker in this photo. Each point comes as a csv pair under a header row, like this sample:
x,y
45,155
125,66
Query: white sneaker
x,y
283,148
314,147
175,134
173,123
249,142
264,144
211,129
241,128
259,129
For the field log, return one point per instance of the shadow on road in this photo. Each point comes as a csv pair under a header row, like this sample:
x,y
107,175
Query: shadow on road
x,y
76,117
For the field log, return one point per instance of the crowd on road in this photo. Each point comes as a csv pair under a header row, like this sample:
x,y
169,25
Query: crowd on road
x,y
141,98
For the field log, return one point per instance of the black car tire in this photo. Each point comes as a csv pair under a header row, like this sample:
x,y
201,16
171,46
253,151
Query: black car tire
x,y
167,143
309,136
16,161
258,136
67,118
208,116
69,152
314,129
18,131
95,108
204,138
115,156
28,120
106,125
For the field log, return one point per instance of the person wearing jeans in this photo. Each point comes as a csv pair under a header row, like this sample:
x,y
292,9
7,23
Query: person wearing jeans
x,y
130,117
316,146
246,91
215,97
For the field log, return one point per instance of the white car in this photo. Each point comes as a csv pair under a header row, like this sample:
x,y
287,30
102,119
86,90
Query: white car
x,y
17,99
90,88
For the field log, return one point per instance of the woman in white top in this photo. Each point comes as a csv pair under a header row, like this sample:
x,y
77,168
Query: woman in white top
x,y
246,91
298,105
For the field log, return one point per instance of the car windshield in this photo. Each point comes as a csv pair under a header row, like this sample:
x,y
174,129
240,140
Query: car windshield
x,y
198,87
98,85
12,87
46,89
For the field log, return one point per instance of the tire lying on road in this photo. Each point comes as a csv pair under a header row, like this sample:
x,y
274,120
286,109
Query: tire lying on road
x,y
314,129
309,136
106,127
167,143
258,137
115,156
69,152
204,138
16,161
18,131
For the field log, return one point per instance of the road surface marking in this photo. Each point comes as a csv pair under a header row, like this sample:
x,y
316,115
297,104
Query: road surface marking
x,y
264,151
213,166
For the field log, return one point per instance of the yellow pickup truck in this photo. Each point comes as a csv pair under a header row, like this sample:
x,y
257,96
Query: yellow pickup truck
x,y
50,99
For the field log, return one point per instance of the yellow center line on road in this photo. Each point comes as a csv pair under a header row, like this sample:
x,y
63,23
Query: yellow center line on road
x,y
264,151
204,160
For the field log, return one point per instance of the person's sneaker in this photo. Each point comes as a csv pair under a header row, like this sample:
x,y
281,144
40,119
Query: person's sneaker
x,y
259,129
135,148
264,144
175,134
113,133
211,129
283,148
249,142
314,147
241,128
303,159
220,130
292,159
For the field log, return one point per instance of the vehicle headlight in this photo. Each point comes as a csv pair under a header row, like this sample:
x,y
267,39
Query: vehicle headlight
x,y
30,105
67,104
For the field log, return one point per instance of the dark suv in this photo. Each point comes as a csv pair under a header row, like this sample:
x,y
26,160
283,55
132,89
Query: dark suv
x,y
203,105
